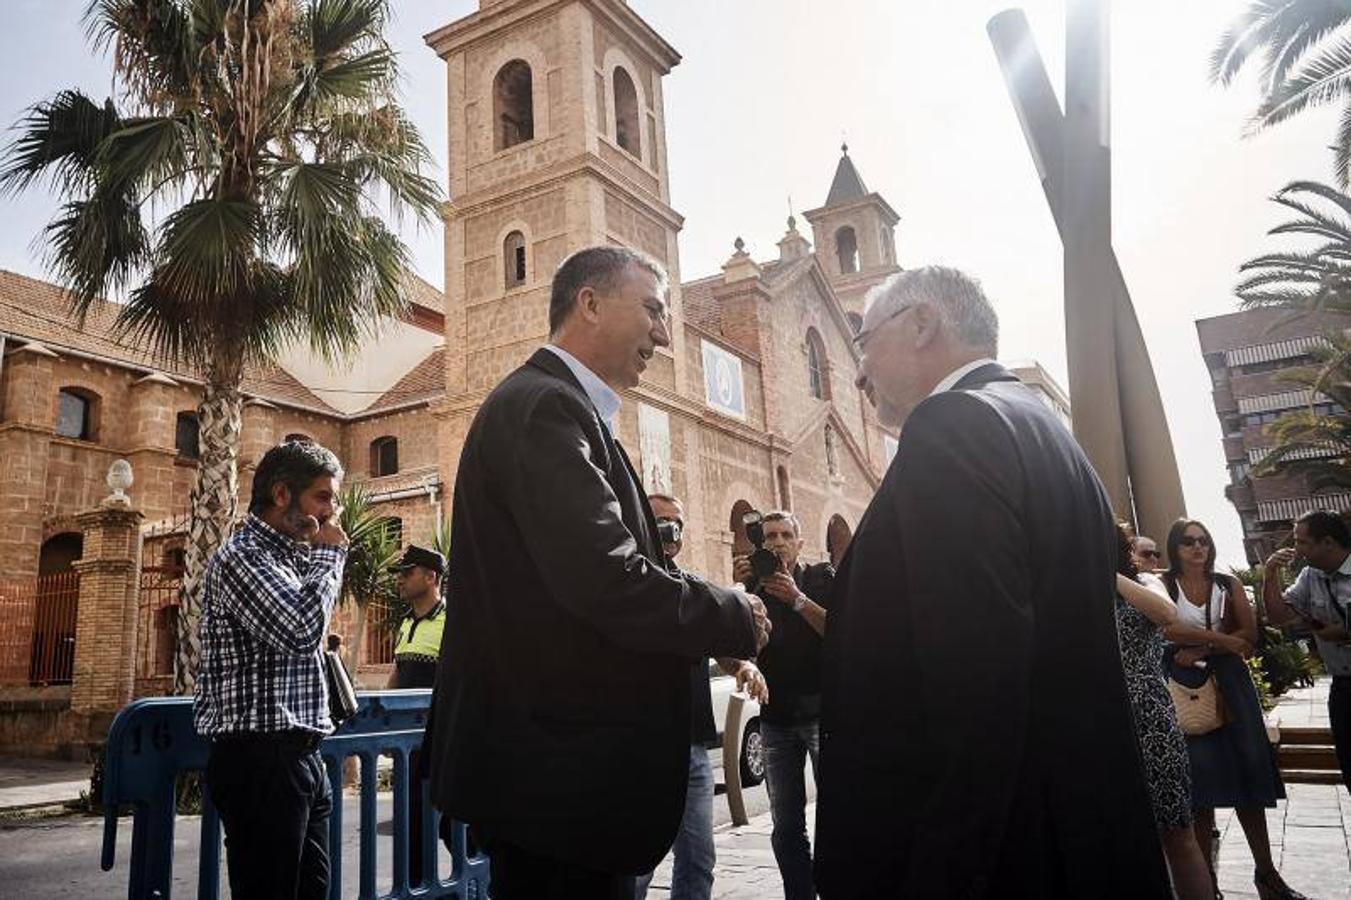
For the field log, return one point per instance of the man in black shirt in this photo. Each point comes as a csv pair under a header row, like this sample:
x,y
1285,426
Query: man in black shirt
x,y
795,597
692,872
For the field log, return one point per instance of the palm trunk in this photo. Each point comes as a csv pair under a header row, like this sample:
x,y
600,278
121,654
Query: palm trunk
x,y
358,635
215,501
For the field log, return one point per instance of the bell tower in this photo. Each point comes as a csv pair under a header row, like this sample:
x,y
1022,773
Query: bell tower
x,y
855,235
557,142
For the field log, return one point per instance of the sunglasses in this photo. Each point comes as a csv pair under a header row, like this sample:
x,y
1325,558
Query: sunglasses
x,y
1189,541
1151,554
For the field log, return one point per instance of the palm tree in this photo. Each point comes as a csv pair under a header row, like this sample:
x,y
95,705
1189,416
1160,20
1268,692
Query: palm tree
x,y
231,195
1305,52
367,578
1315,439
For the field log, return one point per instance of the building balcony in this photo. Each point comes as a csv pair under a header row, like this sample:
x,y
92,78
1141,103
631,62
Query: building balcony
x,y
1240,495
1223,395
1235,450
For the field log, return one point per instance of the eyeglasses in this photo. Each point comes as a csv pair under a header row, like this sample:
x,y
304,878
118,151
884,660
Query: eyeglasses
x,y
1188,541
1151,554
863,336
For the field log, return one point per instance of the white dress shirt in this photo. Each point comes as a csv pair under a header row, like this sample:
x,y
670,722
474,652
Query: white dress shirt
x,y
957,375
602,396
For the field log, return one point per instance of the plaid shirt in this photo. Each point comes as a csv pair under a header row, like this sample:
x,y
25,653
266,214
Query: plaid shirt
x,y
264,618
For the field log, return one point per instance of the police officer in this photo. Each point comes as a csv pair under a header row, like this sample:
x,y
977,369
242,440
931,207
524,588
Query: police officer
x,y
415,653
419,641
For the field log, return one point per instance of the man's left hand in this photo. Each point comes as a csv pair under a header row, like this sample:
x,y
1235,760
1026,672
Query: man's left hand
x,y
750,680
781,587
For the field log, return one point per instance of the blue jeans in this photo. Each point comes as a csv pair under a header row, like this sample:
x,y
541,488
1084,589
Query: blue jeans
x,y
786,750
692,877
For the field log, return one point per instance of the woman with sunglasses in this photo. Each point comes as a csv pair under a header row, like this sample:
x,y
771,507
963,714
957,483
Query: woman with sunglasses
x,y
1234,765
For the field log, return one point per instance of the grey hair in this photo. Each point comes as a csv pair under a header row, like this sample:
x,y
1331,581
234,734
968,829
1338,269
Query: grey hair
x,y
958,297
783,515
595,267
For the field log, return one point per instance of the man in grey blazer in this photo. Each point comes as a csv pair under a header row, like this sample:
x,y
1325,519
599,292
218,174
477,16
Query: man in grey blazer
x,y
976,737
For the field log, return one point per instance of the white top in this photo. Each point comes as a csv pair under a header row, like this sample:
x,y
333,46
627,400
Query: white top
x,y
1188,613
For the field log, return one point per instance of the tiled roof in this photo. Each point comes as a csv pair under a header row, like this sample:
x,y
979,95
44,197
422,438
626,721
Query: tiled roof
x,y
38,310
701,310
427,381
423,294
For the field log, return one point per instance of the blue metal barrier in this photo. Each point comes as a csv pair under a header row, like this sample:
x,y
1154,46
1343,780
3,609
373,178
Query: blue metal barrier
x,y
152,741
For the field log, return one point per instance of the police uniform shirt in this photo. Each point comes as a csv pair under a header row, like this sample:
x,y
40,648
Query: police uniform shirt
x,y
417,647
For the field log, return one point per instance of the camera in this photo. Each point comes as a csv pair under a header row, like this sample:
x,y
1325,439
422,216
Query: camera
x,y
763,562
668,531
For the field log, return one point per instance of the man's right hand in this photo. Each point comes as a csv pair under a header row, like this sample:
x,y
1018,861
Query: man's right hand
x,y
1281,558
741,569
331,533
762,624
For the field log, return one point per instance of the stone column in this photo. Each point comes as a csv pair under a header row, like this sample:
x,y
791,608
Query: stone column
x,y
105,624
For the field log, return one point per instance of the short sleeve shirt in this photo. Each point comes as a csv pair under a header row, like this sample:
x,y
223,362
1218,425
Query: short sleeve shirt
x,y
1326,599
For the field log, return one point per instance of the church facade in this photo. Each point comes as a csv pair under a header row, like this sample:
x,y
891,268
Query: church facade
x,y
557,142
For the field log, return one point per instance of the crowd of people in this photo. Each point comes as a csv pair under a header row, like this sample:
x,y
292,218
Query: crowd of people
x,y
1001,691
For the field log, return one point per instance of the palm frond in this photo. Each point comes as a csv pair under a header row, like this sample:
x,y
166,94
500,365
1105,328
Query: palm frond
x,y
156,45
96,247
59,141
1281,32
1321,79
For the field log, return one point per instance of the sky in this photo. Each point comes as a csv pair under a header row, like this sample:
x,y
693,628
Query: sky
x,y
768,89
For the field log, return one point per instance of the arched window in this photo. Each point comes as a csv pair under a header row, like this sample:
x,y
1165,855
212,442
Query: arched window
x,y
818,374
187,435
384,456
846,246
299,437
741,545
75,409
513,105
513,259
785,490
56,606
59,552
838,536
628,129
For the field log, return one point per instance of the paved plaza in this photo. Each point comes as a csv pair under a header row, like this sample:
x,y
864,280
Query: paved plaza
x,y
1310,835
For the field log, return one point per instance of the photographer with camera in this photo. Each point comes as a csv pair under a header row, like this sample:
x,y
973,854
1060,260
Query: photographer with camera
x,y
692,870
794,595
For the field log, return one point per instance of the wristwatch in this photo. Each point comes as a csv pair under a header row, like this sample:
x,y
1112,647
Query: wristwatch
x,y
798,602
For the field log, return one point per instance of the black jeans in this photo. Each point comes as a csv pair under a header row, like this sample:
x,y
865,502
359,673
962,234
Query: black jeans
x,y
520,874
1339,715
274,800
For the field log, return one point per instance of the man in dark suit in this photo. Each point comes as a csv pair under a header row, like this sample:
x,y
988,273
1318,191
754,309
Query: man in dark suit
x,y
561,714
976,737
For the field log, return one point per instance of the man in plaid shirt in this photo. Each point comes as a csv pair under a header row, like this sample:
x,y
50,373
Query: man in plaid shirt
x,y
261,695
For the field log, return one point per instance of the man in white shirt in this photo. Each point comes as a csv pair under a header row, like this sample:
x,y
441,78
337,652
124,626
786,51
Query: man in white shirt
x,y
1321,596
